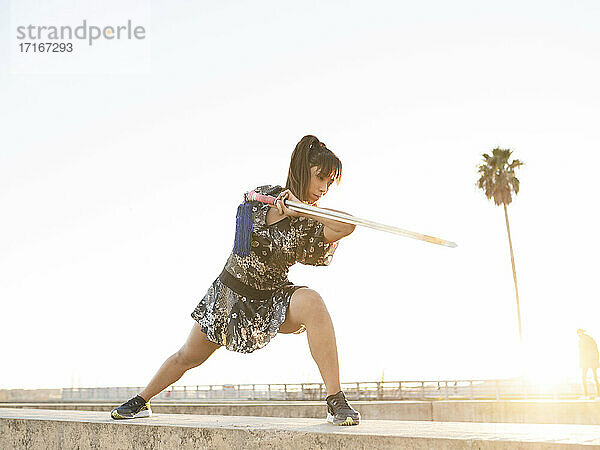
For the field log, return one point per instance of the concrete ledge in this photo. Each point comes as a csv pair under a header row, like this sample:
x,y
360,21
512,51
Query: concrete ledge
x,y
43,429
583,412
307,409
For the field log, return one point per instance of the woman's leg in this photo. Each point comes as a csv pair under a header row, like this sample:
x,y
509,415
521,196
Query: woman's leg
x,y
194,352
307,308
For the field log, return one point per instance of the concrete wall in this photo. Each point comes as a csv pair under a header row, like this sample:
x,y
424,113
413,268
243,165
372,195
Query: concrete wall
x,y
39,429
518,411
30,395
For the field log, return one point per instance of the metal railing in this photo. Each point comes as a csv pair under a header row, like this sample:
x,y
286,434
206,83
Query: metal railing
x,y
500,389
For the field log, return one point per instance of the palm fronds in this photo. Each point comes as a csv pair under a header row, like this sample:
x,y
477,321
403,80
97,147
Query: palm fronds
x,y
498,180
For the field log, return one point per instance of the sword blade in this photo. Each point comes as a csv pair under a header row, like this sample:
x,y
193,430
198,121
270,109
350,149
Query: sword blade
x,y
342,217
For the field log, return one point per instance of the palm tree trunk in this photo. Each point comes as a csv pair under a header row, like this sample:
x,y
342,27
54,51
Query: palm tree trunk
x,y
512,259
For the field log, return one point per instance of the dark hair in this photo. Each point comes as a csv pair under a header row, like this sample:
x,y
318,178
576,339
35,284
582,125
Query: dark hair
x,y
311,152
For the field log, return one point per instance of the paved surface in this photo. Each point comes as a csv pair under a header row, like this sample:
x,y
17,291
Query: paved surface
x,y
308,409
583,412
29,428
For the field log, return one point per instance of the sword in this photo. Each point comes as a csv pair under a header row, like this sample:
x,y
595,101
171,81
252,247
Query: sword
x,y
346,218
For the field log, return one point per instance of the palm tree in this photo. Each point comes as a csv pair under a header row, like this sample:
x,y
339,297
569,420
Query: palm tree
x,y
498,181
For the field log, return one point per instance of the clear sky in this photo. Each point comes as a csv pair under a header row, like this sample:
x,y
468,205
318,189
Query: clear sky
x,y
118,191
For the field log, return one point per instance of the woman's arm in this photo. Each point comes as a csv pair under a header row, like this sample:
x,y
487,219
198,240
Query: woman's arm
x,y
333,231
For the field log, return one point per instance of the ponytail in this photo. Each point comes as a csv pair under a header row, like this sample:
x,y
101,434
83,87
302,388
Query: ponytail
x,y
310,152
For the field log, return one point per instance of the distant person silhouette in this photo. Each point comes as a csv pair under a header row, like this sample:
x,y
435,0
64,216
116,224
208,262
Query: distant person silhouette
x,y
588,359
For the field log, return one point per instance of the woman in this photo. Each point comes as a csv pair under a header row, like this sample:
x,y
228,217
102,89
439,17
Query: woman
x,y
252,300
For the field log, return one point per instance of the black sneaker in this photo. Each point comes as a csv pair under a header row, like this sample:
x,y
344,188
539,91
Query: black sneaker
x,y
136,407
339,412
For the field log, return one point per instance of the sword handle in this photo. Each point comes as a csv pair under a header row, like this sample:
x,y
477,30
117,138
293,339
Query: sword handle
x,y
254,196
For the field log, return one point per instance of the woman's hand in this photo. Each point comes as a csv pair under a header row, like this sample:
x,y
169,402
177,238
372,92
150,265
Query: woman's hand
x,y
284,210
